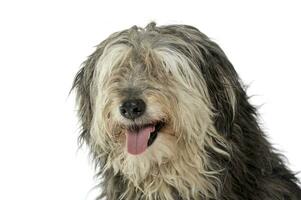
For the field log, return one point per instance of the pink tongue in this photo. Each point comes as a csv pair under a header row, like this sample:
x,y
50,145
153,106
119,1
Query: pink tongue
x,y
137,140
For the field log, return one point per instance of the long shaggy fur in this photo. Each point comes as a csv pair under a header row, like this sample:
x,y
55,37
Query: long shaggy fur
x,y
211,146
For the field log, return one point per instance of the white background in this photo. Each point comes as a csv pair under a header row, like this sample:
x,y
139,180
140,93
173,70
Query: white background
x,y
42,44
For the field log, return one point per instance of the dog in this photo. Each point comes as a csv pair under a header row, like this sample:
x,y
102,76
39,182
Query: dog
x,y
166,116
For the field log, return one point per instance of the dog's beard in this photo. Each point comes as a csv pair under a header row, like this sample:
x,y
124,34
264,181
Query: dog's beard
x,y
170,162
160,149
177,158
138,168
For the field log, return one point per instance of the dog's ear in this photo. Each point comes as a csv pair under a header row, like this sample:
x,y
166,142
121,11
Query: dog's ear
x,y
223,86
82,85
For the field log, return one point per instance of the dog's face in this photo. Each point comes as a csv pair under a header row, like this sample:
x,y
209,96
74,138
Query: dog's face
x,y
147,105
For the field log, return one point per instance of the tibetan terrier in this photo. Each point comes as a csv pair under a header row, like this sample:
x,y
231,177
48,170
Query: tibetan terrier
x,y
166,117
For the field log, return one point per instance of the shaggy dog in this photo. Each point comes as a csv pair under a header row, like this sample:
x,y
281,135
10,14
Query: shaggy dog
x,y
166,117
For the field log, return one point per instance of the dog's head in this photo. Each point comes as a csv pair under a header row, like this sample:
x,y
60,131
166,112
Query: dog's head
x,y
155,102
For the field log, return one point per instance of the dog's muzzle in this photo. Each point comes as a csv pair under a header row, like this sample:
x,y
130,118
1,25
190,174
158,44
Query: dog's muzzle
x,y
138,136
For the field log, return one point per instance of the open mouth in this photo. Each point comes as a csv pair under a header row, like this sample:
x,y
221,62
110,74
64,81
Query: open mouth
x,y
139,137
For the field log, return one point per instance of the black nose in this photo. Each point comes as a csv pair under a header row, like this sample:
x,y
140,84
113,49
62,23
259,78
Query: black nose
x,y
132,108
